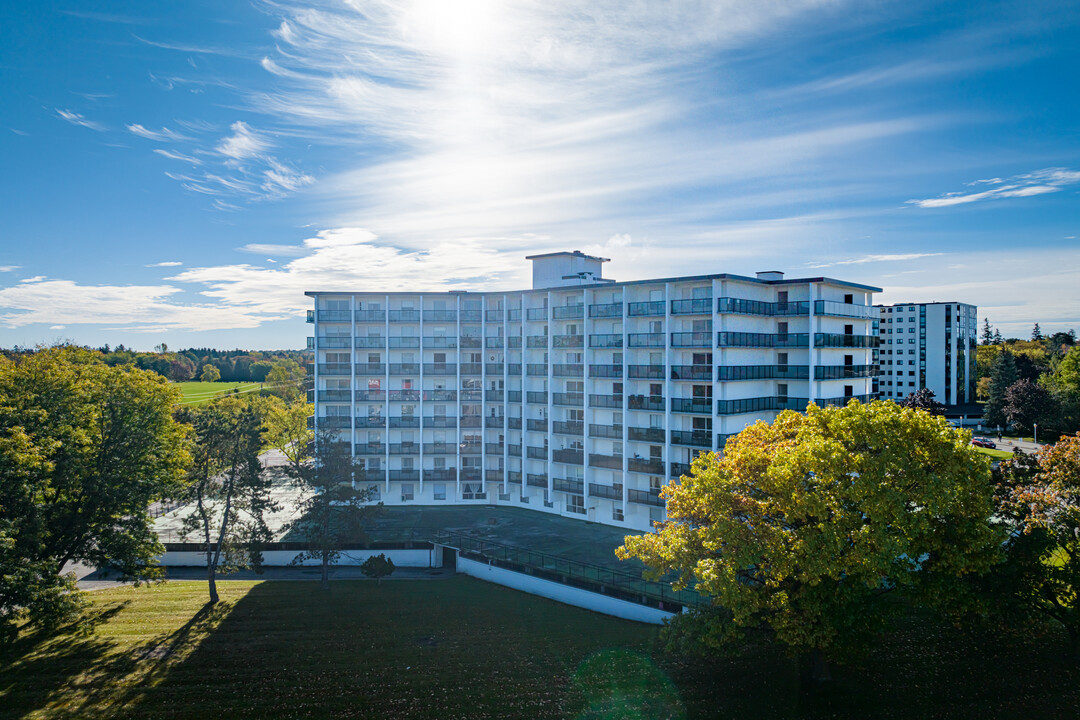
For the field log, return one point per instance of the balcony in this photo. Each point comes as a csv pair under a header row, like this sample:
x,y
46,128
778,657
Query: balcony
x,y
645,497
311,316
568,312
370,316
493,475
567,341
573,370
538,397
405,448
652,466
608,310
370,449
536,313
536,369
470,341
691,339
494,448
536,425
335,316
440,421
760,404
763,340
613,462
335,342
336,396
471,448
493,315
537,480
404,368
763,372
440,448
654,435
404,476
438,369
336,422
514,423
570,427
605,371
692,372
494,395
611,492
513,450
493,343
494,368
605,431
370,369
471,316
471,421
651,372
845,372
513,368
404,421
513,477
514,314
334,369
440,316
440,474
536,453
843,400
568,456
568,399
606,401
403,395
373,475
513,396
514,341
368,395
440,395
472,369
371,421
836,309
739,306
440,342
646,402
696,306
645,309
692,438
606,341
537,341
569,485
647,340
403,316
835,340
399,342
694,406
678,469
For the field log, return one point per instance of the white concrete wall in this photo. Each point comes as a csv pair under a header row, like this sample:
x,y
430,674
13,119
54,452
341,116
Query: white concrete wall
x,y
562,593
281,558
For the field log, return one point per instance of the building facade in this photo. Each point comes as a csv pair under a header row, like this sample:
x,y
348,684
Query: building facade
x,y
928,345
582,396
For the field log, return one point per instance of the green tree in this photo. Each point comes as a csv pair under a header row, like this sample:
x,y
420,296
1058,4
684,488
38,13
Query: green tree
x,y
331,512
806,524
1040,500
226,484
923,399
85,449
286,380
1036,333
1002,376
987,333
285,428
1064,384
209,373
1028,404
378,567
997,337
259,370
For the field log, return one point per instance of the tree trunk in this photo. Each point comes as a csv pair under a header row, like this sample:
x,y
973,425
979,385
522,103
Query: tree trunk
x,y
212,581
814,676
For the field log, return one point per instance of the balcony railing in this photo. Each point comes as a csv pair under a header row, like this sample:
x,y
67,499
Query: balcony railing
x,y
371,421
371,342
513,450
645,309
780,340
606,311
494,395
652,466
678,469
569,485
370,316
759,404
440,316
440,448
612,492
536,313
493,315
574,370
470,316
404,368
605,371
494,448
570,399
493,368
536,453
538,397
536,369
835,340
845,372
843,400
569,427
402,395
370,449
370,369
404,476
440,421
404,421
493,343
311,316
406,315
641,434
536,341
470,341
472,369
606,461
696,306
605,401
763,372
536,425
645,497
829,307
405,448
336,342
513,396
398,342
652,372
513,477
692,372
334,369
336,396
368,395
335,316
440,342
645,340
513,368
569,456
537,480
439,369
693,438
646,402
605,431
493,475
337,422
696,406
606,341
568,312
471,421
739,306
440,395
567,341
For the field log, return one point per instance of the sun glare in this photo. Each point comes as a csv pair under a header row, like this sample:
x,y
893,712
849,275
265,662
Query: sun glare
x,y
461,29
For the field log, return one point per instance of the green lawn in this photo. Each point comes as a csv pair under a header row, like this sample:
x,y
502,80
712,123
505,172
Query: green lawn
x,y
461,648
197,393
994,453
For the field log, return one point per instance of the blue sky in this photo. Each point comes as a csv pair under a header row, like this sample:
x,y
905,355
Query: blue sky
x,y
182,172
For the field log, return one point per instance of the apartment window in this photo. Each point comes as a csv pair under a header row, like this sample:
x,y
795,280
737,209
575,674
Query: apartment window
x,y
656,389
406,492
656,326
701,293
439,491
617,514
656,421
781,389
849,299
849,329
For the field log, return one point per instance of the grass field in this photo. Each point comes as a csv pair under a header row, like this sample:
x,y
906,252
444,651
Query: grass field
x,y
197,393
461,648
994,453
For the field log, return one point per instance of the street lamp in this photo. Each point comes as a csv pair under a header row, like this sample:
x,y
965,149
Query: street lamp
x,y
1036,428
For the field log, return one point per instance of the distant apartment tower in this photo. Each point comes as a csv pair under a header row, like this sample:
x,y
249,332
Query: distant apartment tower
x,y
927,345
581,396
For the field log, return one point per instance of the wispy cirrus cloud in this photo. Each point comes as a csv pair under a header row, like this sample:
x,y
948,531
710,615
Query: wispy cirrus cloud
x,y
172,155
874,259
1040,182
79,119
167,263
243,143
9,268
162,135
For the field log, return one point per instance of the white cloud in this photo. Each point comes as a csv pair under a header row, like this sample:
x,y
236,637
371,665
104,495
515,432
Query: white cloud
x,y
178,156
79,119
162,135
243,143
1040,182
57,327
35,279
267,249
875,258
9,268
167,263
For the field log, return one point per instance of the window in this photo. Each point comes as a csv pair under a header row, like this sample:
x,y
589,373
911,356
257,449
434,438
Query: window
x,y
849,299
406,492
617,514
781,389
439,491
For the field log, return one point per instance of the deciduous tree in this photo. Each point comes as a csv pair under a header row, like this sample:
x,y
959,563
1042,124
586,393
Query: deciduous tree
x,y
923,400
85,448
378,567
1002,376
1028,404
805,524
209,373
286,380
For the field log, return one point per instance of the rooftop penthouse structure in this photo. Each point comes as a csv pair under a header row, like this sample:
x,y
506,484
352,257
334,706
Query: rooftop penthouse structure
x,y
581,396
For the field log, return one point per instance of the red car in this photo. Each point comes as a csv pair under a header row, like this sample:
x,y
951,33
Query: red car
x,y
983,442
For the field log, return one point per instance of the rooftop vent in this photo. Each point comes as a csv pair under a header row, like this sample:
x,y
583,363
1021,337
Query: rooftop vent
x,y
770,275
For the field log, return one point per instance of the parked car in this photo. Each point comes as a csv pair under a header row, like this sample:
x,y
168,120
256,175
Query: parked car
x,y
983,442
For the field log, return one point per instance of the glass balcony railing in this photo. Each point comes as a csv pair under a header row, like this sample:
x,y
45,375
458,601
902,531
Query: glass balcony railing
x,y
645,371
692,438
397,343
568,312
606,311
598,400
779,340
835,340
763,372
645,340
692,372
837,309
696,306
606,341
695,406
646,402
605,371
645,309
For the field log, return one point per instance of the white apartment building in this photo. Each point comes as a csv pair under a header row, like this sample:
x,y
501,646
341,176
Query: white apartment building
x,y
927,345
582,396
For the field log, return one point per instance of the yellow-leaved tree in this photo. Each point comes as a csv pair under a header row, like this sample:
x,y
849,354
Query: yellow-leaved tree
x,y
806,526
